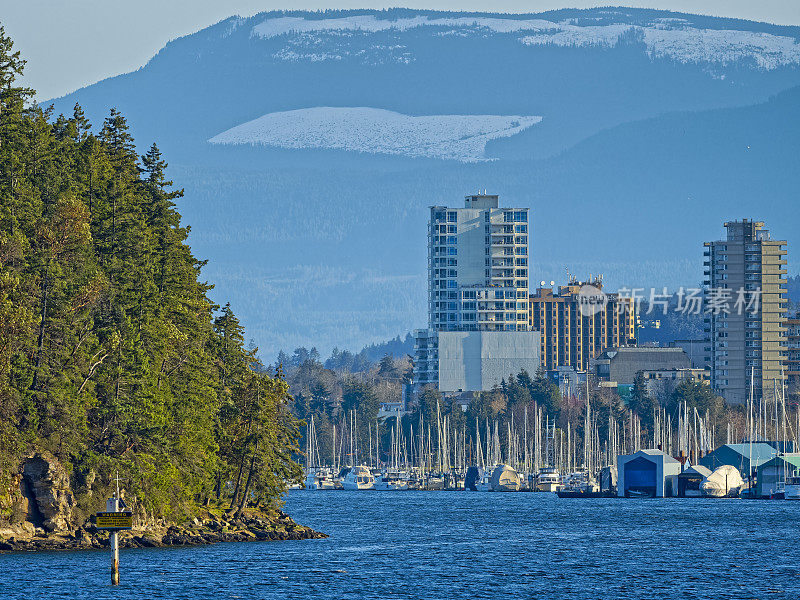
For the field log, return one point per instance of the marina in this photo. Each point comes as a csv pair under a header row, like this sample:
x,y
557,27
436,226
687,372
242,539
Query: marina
x,y
589,459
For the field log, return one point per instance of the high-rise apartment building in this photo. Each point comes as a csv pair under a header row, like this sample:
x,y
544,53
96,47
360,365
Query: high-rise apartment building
x,y
575,331
477,282
793,353
745,293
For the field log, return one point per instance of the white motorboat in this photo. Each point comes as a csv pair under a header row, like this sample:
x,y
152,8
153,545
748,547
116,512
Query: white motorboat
x,y
548,480
358,478
320,479
391,481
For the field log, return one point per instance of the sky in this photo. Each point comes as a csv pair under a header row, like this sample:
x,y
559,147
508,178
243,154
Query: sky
x,y
73,43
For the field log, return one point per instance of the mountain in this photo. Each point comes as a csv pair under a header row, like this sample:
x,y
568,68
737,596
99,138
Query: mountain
x,y
312,143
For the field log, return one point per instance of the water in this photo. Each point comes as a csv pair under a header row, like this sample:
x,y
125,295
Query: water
x,y
445,545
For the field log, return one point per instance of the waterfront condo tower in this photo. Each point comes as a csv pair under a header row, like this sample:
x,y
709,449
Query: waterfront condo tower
x,y
478,266
744,320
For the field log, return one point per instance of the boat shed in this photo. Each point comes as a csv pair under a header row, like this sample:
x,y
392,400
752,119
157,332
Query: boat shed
x,y
773,473
646,472
742,456
690,479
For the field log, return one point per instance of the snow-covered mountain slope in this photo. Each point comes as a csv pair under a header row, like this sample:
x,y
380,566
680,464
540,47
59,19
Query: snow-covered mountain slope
x,y
663,37
325,245
377,131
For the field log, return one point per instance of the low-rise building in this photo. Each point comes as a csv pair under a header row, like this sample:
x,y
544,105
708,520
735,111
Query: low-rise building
x,y
689,481
646,472
620,365
696,350
661,382
772,475
745,457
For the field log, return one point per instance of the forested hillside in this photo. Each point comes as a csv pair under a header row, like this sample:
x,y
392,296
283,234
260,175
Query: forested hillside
x,y
315,226
112,356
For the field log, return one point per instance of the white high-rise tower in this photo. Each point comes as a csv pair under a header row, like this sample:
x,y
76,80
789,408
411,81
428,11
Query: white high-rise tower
x,y
478,267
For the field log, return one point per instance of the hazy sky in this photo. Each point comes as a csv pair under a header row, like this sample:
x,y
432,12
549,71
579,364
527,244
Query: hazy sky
x,y
71,43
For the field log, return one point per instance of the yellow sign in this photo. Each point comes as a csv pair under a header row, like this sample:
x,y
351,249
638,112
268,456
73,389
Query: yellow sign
x,y
114,520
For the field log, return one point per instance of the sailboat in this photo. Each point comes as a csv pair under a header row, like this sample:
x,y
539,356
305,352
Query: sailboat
x,y
317,477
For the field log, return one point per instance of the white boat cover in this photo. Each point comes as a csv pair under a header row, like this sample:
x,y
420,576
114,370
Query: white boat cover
x,y
724,481
505,479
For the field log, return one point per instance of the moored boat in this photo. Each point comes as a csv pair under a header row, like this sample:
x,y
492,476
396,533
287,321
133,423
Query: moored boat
x,y
358,478
548,480
505,479
724,482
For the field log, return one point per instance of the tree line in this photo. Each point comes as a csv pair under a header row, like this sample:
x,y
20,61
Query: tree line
x,y
112,355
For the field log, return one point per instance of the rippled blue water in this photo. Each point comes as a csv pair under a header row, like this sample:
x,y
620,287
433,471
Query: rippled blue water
x,y
459,545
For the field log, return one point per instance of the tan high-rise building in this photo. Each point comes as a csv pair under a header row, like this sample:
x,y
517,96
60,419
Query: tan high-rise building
x,y
745,311
793,347
575,328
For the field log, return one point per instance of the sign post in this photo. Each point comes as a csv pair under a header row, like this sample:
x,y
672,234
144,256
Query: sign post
x,y
114,520
112,506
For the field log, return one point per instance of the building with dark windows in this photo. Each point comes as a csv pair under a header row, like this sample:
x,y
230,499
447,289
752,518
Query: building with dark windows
x,y
793,352
574,332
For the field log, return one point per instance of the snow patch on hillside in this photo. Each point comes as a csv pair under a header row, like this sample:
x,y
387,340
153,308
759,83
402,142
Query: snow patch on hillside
x,y
377,131
671,38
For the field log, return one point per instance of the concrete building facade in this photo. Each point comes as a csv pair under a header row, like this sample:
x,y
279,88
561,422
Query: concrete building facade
x,y
745,293
479,360
575,331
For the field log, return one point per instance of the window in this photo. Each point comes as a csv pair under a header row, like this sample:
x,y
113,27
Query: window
x,y
451,284
452,250
452,216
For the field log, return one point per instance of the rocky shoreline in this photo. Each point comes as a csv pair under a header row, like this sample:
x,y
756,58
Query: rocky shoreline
x,y
245,528
39,511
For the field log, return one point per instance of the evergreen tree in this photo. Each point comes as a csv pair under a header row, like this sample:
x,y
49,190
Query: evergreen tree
x,y
111,355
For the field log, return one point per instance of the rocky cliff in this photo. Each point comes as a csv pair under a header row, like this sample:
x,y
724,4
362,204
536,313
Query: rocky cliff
x,y
38,511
